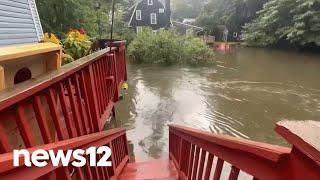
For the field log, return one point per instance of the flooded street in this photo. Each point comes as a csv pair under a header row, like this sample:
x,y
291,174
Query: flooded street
x,y
244,95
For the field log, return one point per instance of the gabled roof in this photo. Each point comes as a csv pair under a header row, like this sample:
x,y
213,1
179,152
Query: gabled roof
x,y
135,8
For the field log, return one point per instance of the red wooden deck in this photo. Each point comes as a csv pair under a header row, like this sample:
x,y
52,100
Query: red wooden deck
x,y
155,169
68,108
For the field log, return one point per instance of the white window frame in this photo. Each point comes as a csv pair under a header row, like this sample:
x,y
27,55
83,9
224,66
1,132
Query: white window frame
x,y
161,10
138,15
150,2
235,35
139,29
155,18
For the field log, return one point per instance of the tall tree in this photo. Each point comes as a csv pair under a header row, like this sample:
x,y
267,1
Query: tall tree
x,y
232,13
294,21
59,16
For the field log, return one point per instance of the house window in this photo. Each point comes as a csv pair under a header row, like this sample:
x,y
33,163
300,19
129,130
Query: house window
x,y
161,10
235,35
153,17
150,2
139,29
138,14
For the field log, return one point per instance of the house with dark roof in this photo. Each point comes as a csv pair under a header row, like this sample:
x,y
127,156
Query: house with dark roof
x,y
151,13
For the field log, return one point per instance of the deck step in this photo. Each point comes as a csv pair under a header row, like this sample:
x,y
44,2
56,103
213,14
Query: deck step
x,y
155,169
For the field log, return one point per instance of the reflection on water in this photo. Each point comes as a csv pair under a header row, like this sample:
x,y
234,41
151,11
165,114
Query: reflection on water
x,y
244,95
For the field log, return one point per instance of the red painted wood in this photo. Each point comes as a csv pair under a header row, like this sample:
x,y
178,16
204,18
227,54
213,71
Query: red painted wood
x,y
185,157
83,142
118,151
93,100
79,100
86,100
304,135
112,157
234,173
122,144
51,99
63,174
24,127
115,151
74,107
100,170
208,167
273,162
106,78
4,141
102,81
70,124
154,169
190,164
264,150
42,121
88,173
261,167
116,93
196,162
79,174
201,163
98,88
95,173
218,170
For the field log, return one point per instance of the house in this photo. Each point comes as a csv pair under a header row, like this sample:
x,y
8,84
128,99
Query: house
x,y
19,22
151,13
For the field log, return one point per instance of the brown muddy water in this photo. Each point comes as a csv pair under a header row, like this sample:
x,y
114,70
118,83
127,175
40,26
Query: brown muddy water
x,y
244,95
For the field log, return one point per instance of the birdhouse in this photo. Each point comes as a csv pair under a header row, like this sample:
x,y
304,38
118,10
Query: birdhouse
x,y
22,62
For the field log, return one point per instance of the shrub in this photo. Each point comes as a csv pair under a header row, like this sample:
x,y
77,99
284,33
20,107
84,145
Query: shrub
x,y
166,47
77,44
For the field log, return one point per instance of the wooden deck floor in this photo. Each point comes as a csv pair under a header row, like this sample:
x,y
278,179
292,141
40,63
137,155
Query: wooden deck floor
x,y
156,169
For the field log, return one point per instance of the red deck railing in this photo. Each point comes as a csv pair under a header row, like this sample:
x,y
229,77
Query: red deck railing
x,y
193,152
115,139
73,101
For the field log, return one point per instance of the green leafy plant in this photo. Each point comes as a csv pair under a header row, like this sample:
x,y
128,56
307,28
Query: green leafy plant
x,y
77,44
167,47
296,22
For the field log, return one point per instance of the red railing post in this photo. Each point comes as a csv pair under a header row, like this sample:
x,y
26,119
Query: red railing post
x,y
261,160
92,97
70,102
115,75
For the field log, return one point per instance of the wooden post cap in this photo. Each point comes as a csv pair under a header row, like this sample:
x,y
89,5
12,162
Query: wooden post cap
x,y
304,135
19,51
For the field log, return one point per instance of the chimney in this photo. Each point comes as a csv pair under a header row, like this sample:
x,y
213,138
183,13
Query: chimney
x,y
168,11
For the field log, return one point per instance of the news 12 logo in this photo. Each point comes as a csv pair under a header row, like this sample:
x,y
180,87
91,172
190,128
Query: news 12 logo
x,y
41,158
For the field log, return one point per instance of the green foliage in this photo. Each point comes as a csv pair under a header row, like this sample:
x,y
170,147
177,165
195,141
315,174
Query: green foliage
x,y
59,16
66,59
232,13
186,9
77,44
166,47
295,21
